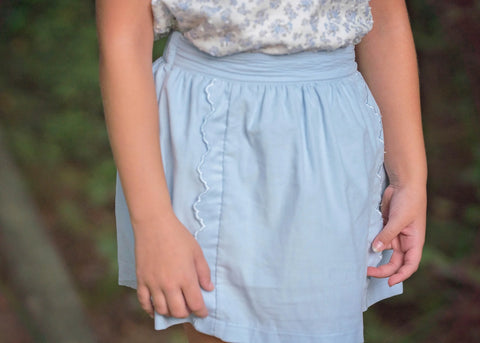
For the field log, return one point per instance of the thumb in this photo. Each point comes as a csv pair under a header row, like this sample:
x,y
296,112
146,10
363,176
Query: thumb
x,y
203,272
385,203
392,229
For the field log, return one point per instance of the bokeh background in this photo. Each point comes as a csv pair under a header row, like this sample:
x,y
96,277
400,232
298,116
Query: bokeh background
x,y
54,142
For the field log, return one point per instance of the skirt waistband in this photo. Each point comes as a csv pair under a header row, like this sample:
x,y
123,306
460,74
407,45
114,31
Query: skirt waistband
x,y
258,66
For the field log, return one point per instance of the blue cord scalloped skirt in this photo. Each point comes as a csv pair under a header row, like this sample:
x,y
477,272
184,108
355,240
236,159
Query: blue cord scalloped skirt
x,y
275,165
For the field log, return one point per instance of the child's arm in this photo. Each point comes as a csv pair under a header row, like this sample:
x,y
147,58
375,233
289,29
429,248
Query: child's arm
x,y
387,59
169,261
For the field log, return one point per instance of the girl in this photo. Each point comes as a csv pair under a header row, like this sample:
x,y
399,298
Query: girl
x,y
254,200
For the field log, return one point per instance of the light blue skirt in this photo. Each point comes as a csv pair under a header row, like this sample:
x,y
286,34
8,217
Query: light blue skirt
x,y
275,165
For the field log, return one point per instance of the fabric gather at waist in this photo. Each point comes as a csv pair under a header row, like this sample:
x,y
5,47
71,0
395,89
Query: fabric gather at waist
x,y
261,67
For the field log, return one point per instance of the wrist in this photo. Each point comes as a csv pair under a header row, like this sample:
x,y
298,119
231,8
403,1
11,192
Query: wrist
x,y
407,169
401,178
157,220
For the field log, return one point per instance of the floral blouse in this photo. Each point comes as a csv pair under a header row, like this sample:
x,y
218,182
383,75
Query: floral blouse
x,y
223,27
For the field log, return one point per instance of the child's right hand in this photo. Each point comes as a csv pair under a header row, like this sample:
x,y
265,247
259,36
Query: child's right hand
x,y
170,269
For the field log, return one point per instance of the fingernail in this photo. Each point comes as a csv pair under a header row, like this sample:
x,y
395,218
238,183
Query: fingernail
x,y
210,285
377,246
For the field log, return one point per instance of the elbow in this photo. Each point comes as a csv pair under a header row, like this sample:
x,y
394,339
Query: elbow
x,y
125,48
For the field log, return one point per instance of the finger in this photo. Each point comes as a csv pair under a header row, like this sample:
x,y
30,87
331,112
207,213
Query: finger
x,y
394,226
176,303
194,299
386,199
143,295
410,266
159,303
203,271
402,274
390,268
387,269
385,205
389,246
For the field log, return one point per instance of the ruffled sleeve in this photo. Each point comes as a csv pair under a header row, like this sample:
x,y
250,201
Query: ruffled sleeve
x,y
163,19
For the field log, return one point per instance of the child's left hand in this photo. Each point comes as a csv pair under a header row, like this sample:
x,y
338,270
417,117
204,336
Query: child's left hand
x,y
404,213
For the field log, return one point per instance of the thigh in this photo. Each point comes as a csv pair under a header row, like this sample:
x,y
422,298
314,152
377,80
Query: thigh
x,y
197,337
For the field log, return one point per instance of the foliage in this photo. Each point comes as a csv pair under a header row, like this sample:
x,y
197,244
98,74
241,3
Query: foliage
x,y
51,106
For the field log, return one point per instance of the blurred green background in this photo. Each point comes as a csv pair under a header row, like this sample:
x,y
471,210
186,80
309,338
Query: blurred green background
x,y
52,121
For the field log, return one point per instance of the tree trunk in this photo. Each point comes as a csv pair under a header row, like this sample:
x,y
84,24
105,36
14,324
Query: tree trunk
x,y
36,272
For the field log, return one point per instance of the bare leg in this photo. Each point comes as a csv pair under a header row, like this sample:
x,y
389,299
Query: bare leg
x,y
197,337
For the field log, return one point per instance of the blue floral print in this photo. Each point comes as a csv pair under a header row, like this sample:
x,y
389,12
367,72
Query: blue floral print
x,y
224,27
